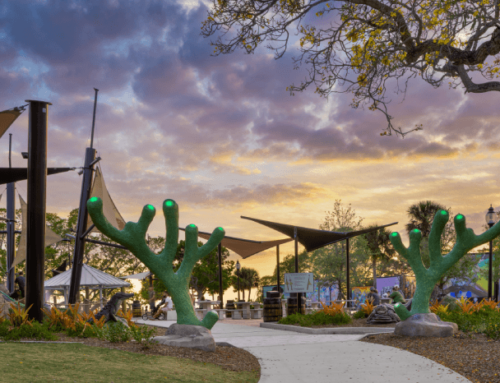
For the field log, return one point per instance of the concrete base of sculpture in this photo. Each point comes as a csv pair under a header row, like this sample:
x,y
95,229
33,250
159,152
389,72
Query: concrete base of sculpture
x,y
184,335
425,325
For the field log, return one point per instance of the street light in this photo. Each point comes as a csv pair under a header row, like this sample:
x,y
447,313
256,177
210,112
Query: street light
x,y
490,220
238,274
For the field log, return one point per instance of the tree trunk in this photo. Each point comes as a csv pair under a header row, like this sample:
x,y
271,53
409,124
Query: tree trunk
x,y
374,266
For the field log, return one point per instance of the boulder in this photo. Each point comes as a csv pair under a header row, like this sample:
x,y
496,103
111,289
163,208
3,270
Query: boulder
x,y
184,335
425,325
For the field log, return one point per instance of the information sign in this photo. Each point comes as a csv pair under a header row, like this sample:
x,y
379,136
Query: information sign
x,y
299,283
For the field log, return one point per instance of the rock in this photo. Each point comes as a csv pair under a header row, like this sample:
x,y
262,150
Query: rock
x,y
184,335
425,325
383,314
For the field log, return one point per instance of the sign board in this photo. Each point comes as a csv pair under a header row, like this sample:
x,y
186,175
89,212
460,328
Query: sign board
x,y
299,283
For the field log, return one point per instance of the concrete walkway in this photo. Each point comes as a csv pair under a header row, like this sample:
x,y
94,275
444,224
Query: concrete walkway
x,y
293,357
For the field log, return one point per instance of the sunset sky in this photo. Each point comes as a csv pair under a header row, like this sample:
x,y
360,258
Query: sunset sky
x,y
220,135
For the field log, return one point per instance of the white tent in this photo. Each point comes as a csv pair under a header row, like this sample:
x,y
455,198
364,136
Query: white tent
x,y
92,278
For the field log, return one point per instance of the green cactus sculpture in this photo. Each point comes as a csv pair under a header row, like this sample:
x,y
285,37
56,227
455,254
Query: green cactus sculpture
x,y
427,278
133,238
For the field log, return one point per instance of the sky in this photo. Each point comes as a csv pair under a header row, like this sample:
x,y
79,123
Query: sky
x,y
221,135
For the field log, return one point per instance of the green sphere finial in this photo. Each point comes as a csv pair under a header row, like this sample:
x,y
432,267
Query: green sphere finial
x,y
416,231
151,207
444,212
220,228
93,199
460,216
394,234
169,203
192,225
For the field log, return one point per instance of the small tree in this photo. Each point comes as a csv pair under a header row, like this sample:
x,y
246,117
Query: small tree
x,y
177,283
428,277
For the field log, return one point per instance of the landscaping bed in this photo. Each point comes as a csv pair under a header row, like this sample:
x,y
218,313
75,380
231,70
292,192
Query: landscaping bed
x,y
355,323
472,355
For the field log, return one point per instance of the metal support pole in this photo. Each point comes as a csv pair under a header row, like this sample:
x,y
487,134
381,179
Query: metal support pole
x,y
278,268
348,284
299,295
490,270
11,226
35,231
76,271
151,293
93,120
221,290
238,285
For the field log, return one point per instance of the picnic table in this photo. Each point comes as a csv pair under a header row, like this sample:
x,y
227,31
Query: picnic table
x,y
206,306
245,308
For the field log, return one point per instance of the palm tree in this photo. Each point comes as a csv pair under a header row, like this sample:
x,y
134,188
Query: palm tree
x,y
248,276
380,248
421,216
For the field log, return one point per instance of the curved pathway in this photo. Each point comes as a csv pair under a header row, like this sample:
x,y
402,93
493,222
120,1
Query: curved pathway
x,y
290,357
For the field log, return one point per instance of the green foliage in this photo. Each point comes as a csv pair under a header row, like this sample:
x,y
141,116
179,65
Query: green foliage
x,y
485,321
115,332
360,314
36,331
248,277
316,319
143,335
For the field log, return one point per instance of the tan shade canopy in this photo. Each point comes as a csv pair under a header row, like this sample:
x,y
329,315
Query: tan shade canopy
x,y
108,206
7,118
245,247
50,236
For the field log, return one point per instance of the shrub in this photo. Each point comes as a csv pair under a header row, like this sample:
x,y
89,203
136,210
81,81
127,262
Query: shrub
x,y
18,316
484,320
33,330
142,334
117,332
316,319
333,309
360,314
128,317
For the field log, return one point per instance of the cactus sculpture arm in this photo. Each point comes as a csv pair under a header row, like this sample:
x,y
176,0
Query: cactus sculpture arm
x,y
427,278
133,237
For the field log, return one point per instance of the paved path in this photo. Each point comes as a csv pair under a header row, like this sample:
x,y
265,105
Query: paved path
x,y
303,358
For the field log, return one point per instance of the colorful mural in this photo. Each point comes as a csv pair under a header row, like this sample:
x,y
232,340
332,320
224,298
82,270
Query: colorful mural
x,y
320,294
359,294
385,284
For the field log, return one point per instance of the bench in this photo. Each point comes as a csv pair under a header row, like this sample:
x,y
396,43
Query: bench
x,y
256,313
221,312
235,314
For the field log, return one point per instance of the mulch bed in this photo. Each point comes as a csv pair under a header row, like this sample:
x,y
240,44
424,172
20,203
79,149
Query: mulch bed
x,y
472,355
229,358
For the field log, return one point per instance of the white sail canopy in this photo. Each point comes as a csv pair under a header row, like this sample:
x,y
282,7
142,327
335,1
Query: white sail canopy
x,y
50,236
108,206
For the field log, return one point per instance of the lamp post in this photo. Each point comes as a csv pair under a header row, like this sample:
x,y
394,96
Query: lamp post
x,y
238,274
490,220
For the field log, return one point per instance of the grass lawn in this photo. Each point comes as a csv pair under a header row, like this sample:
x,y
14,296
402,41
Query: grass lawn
x,y
41,362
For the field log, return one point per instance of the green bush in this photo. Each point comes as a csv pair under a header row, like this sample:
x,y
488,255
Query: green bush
x,y
117,332
142,334
316,319
360,314
82,330
34,331
485,321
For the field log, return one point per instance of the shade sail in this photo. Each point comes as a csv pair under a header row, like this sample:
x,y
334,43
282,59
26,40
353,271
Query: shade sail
x,y
7,117
90,278
245,247
50,236
8,175
313,239
139,276
108,206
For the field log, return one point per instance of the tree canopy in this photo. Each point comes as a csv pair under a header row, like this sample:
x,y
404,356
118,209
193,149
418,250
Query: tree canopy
x,y
361,45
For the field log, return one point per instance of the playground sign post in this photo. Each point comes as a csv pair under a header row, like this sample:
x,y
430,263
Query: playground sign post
x,y
299,283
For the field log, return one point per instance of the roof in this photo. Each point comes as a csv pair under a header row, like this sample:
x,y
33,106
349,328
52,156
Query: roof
x,y
313,239
90,278
245,247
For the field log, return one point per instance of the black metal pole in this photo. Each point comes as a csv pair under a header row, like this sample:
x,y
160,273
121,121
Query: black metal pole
x,y
76,271
490,268
221,290
93,120
348,273
299,295
11,226
278,268
35,230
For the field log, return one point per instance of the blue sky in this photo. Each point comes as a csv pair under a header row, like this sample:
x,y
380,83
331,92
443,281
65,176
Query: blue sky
x,y
220,135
